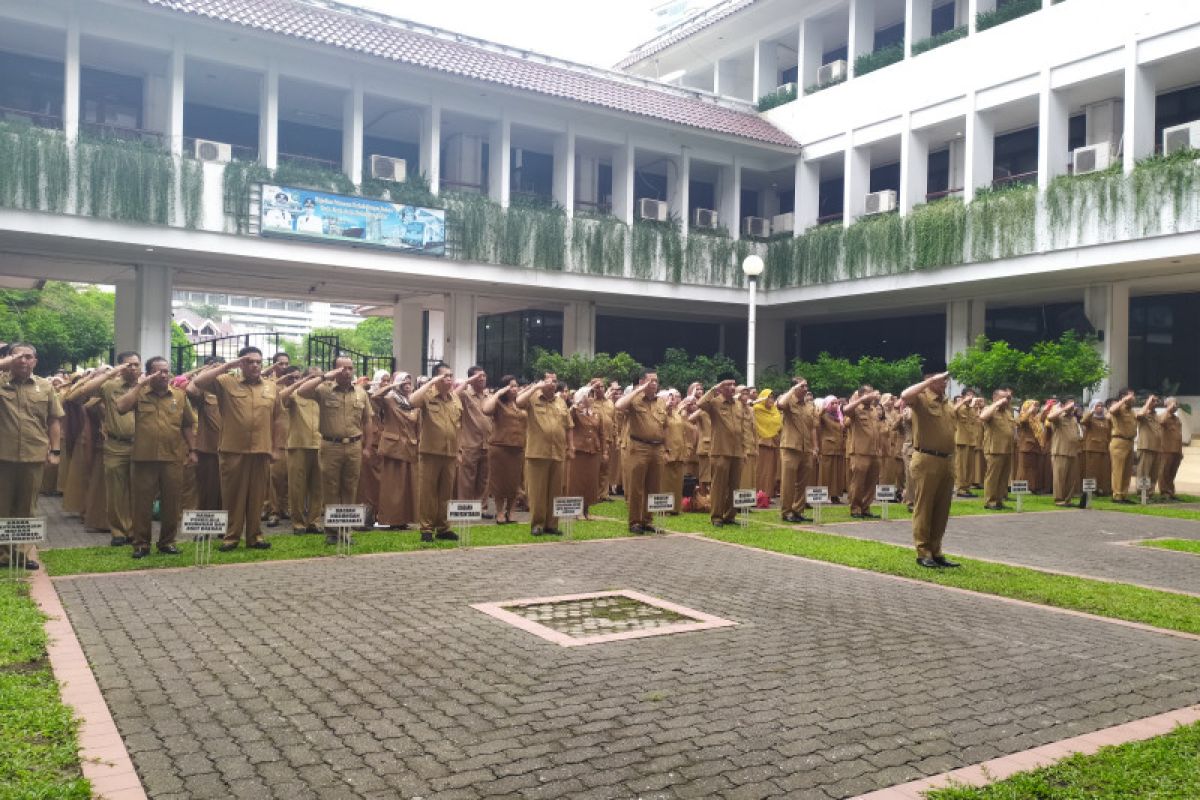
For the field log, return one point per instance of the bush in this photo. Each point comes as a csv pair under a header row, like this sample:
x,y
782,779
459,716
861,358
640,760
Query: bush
x,y
1006,13
1065,368
945,37
840,376
578,369
678,369
781,96
884,56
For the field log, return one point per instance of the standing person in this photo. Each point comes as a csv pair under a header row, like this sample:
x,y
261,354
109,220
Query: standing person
x,y
749,469
798,445
1029,448
1149,443
506,449
400,432
1094,459
904,428
1066,440
833,449
1120,446
472,439
607,411
615,448
964,450
646,431
251,438
703,423
546,449
163,439
30,428
588,444
303,456
1171,452
768,424
861,420
999,433
208,442
437,452
676,447
277,508
721,407
932,468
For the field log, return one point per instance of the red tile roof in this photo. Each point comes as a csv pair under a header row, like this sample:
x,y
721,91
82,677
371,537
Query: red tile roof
x,y
693,24
393,40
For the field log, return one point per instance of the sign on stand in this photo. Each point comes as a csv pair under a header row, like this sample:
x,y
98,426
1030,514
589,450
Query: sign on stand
x,y
1145,485
816,496
344,519
204,527
464,513
1020,489
568,509
743,501
1089,489
16,531
885,494
660,505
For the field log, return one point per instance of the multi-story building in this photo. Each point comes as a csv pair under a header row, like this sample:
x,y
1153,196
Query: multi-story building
x,y
290,318
917,176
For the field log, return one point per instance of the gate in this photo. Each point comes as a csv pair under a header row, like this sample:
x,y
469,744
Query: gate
x,y
186,357
324,350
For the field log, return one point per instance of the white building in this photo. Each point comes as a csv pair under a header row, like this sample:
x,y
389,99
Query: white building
x,y
290,318
880,117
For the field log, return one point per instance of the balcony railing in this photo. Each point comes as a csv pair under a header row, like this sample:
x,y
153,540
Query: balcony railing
x,y
36,118
1021,178
931,196
312,162
104,130
239,152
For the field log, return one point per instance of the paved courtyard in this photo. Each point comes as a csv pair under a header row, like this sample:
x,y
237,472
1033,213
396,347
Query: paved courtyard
x,y
373,677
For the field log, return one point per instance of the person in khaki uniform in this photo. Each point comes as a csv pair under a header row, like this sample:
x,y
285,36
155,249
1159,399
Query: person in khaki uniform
x,y
472,439
110,386
768,422
677,446
506,449
798,446
832,456
646,429
1149,443
162,440
1120,447
437,452
278,503
251,438
999,437
932,467
727,448
208,442
861,421
398,439
30,428
1029,447
748,470
1094,460
964,448
345,422
614,470
607,411
305,497
546,450
1171,454
1066,441
587,441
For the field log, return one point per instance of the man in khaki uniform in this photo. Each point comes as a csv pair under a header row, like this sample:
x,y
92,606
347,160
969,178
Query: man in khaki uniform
x,y
305,497
797,450
546,451
931,467
208,442
251,438
110,386
1066,440
726,449
345,422
999,437
964,449
282,374
30,428
606,408
646,429
162,439
747,471
861,420
1171,455
1120,447
1149,443
1094,461
437,452
472,439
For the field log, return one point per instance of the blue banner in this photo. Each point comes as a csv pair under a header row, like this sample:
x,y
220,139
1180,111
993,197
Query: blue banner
x,y
304,214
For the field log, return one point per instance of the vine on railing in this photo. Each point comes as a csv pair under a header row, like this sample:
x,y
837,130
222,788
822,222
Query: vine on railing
x,y
35,167
598,244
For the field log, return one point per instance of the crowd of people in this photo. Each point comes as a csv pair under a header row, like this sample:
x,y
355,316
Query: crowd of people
x,y
273,443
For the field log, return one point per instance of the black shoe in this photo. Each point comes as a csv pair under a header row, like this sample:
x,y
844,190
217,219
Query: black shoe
x,y
141,552
30,564
488,516
718,523
119,541
299,531
426,536
942,561
547,532
1125,501
994,508
331,538
168,549
312,529
636,529
928,563
649,529
536,531
225,548
790,517
449,536
869,515
260,545
855,516
273,521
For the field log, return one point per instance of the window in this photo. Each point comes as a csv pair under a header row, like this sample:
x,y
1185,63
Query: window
x,y
885,37
258,302
110,99
218,299
239,301
196,297
31,84
1162,329
297,305
275,305
890,339
943,19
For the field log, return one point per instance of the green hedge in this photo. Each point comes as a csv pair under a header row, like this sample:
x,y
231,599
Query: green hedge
x,y
1006,13
884,56
933,42
779,97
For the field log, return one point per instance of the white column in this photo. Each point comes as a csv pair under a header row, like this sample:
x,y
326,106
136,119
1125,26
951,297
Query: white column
x,y
677,192
579,329
1053,136
979,154
175,95
965,322
500,162
352,132
807,197
71,70
408,343
431,146
144,311
862,31
766,68
729,205
461,331
622,179
587,180
564,170
1107,308
809,53
1139,109
914,167
918,22
268,118
716,87
769,347
856,182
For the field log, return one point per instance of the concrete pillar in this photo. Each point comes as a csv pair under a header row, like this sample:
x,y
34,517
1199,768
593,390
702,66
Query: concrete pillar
x,y
976,7
352,133
500,162
918,22
460,331
979,155
914,167
431,146
71,72
729,194
1107,308
143,311
1139,109
810,52
579,329
807,195
769,344
408,341
587,181
564,170
677,191
862,31
268,118
463,164
965,322
957,176
1053,136
716,85
856,182
766,68
175,95
623,165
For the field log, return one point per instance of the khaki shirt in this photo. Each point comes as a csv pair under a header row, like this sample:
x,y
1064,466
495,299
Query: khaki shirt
x,y
1124,424
400,430
999,433
1066,439
304,423
863,430
607,411
26,409
832,439
704,435
117,427
646,419
964,424
798,421
676,437
1172,433
342,410
588,435
159,421
508,425
546,434
933,425
440,419
726,420
1149,432
247,414
749,431
476,425
1097,432
208,428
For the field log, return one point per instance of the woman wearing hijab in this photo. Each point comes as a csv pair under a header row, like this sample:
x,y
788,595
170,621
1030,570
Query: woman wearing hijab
x,y
768,422
832,439
397,454
1029,446
506,448
588,441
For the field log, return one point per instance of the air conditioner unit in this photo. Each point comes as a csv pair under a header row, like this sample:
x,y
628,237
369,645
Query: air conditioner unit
x,y
881,202
388,169
1181,137
787,88
204,150
756,227
704,218
1092,158
783,223
832,72
649,208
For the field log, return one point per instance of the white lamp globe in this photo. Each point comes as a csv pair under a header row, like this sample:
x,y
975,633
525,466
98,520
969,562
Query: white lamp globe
x,y
752,266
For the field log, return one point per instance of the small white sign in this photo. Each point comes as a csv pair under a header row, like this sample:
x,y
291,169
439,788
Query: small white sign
x,y
464,511
20,530
659,503
817,494
1019,487
885,493
568,507
1089,484
345,516
743,498
1145,483
204,523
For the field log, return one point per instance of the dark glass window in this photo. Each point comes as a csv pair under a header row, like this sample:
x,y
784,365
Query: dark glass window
x,y
110,99
1175,108
648,339
506,341
31,84
1023,326
831,198
220,125
1077,131
650,185
701,194
836,54
749,203
891,338
788,75
411,153
787,201
943,19
534,176
1016,153
938,178
298,139
890,35
1163,331
885,177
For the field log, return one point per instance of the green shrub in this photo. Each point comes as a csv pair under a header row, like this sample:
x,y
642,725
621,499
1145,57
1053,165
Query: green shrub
x,y
933,42
1006,13
884,56
781,96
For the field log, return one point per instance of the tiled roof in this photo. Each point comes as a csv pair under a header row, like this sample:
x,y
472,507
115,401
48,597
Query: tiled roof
x,y
363,33
691,25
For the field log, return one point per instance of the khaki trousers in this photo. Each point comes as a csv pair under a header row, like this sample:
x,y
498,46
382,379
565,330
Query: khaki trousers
x,y
435,488
643,468
1120,452
724,470
933,487
1167,469
118,491
766,469
748,472
277,495
543,480
244,478
208,481
305,499
833,475
19,485
864,475
341,465
995,482
472,474
672,481
796,477
1066,477
1148,467
964,467
162,481
978,466
1097,465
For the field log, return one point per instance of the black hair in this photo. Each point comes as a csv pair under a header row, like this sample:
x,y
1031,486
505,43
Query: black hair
x,y
245,351
154,360
12,348
122,357
281,353
438,367
646,371
210,360
474,369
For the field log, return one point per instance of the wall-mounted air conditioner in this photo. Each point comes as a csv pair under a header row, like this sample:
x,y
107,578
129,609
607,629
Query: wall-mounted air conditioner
x,y
1181,137
881,202
832,72
756,227
204,150
704,218
386,168
783,223
1093,158
649,208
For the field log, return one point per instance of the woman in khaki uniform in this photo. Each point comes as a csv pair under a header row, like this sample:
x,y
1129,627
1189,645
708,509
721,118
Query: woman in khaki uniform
x,y
95,501
79,468
1095,461
1046,463
586,447
832,440
677,442
1029,448
399,432
1065,441
506,448
546,450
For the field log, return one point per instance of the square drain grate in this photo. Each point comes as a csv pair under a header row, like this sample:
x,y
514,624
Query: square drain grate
x,y
597,617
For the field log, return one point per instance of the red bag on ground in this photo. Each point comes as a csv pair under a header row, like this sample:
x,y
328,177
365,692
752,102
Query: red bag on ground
x,y
761,500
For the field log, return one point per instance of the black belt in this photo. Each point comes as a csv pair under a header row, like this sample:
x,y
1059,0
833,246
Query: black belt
x,y
342,439
646,441
932,452
1126,438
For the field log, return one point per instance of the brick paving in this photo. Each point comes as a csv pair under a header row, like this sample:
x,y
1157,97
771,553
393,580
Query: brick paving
x,y
373,678
1082,542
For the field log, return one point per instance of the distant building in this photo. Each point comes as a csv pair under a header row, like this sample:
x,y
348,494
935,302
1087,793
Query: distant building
x,y
241,313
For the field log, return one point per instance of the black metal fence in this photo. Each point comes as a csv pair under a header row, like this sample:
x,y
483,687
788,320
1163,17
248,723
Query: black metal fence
x,y
324,350
187,357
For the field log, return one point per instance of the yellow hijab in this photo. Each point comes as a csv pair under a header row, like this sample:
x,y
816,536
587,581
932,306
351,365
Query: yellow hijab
x,y
768,420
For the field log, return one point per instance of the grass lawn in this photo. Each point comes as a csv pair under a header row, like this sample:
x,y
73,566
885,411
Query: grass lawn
x,y
38,750
1181,545
1165,767
286,546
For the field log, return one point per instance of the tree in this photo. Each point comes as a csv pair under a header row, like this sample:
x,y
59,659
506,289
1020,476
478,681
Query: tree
x,y
374,334
578,369
68,325
841,377
678,369
1066,367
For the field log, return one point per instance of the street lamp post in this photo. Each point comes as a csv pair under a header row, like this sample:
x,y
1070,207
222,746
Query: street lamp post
x,y
752,267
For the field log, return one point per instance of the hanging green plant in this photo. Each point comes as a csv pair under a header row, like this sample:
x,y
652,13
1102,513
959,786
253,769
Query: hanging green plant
x,y
819,254
236,183
1176,176
1071,199
479,223
414,190
303,176
779,263
707,257
35,168
598,244
652,241
124,180
875,245
937,233
191,191
1003,221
